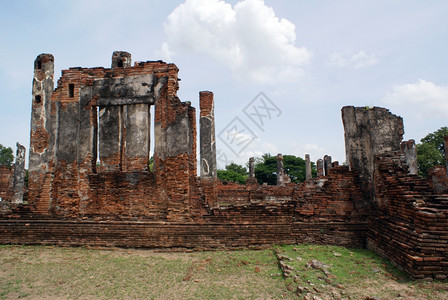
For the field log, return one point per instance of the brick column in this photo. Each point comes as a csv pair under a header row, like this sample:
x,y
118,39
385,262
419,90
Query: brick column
x,y
280,170
19,174
308,174
327,164
207,135
320,167
410,151
251,167
445,139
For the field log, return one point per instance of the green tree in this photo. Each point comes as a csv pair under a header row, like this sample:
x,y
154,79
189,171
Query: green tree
x,y
151,163
266,168
236,168
431,151
6,156
233,173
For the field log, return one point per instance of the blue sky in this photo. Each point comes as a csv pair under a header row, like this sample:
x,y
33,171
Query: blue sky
x,y
308,58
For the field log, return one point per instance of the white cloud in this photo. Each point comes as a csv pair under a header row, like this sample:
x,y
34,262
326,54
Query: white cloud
x,y
422,99
357,61
247,37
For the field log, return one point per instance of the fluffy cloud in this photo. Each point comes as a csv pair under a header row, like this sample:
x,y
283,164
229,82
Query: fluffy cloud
x,y
247,37
357,61
422,99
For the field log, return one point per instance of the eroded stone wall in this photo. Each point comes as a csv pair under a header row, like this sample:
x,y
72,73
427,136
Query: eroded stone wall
x,y
369,132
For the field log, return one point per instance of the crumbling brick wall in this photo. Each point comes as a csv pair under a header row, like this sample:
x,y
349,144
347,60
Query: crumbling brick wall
x,y
5,183
329,209
90,182
411,224
97,125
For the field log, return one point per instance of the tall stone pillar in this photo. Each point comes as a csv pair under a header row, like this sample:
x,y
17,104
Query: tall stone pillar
x,y
410,151
445,139
369,132
308,174
207,135
280,170
320,167
19,175
251,167
327,164
42,134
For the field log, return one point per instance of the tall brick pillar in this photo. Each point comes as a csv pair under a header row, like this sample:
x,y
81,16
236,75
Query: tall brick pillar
x,y
42,135
327,164
207,135
445,139
320,167
19,174
410,151
308,172
280,170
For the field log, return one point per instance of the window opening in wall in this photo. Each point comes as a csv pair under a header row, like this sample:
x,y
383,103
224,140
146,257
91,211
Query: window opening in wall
x,y
39,65
38,99
71,90
120,63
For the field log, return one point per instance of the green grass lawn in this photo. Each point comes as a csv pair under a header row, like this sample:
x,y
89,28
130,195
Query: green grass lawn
x,y
38,272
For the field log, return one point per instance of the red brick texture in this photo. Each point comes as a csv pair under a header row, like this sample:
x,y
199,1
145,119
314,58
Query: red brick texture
x,y
219,216
72,201
410,225
5,183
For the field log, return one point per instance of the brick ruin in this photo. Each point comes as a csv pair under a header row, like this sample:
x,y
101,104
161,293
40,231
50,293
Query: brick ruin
x,y
90,181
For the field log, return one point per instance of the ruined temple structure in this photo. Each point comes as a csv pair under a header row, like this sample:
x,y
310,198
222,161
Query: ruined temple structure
x,y
90,181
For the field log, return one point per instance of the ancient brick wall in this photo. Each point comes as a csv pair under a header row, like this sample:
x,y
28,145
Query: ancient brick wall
x,y
90,182
410,226
5,183
99,123
221,215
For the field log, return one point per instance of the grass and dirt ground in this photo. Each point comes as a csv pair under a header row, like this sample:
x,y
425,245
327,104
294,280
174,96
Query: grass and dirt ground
x,y
279,272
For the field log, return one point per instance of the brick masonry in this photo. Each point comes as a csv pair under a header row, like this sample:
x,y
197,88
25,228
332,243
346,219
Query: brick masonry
x,y
410,226
90,182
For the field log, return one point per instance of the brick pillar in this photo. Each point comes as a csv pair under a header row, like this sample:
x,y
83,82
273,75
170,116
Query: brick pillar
x,y
42,136
320,167
251,167
410,151
207,135
19,175
445,139
327,164
280,170
308,174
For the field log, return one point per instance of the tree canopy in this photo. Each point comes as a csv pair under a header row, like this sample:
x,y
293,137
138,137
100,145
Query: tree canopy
x,y
233,173
266,168
431,151
6,156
